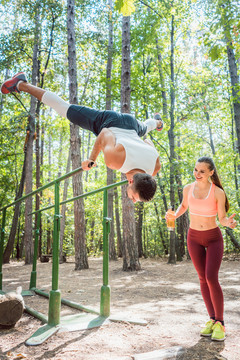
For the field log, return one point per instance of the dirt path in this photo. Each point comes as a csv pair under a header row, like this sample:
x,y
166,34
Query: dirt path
x,y
167,296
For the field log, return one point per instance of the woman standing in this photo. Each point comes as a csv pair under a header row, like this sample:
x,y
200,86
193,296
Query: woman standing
x,y
206,199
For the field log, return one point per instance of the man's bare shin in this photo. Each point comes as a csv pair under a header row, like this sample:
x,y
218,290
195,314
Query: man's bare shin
x,y
32,90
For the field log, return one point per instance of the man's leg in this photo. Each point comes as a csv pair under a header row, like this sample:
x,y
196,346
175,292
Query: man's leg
x,y
19,83
47,97
142,128
31,89
151,124
82,116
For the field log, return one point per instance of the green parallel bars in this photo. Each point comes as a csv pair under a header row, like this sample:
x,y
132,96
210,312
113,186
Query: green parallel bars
x,y
3,209
105,289
55,294
33,279
1,244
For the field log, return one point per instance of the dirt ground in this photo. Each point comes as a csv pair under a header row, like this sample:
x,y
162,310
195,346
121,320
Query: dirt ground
x,y
166,296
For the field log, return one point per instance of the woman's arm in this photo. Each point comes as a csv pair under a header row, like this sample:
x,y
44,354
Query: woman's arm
x,y
222,216
184,204
182,207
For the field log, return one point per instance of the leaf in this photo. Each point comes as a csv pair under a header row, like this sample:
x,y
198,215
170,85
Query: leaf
x,y
125,7
215,52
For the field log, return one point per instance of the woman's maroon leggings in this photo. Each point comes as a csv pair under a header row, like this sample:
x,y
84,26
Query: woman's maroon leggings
x,y
206,251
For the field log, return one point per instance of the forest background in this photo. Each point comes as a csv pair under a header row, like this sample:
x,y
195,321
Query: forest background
x,y
178,58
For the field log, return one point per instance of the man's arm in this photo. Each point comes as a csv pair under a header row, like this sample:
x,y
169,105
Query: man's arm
x,y
158,165
114,155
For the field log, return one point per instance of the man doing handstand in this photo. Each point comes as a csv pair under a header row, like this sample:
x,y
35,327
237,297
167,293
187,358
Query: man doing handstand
x,y
118,137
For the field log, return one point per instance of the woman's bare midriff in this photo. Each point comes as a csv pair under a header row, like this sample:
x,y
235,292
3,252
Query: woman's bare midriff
x,y
202,222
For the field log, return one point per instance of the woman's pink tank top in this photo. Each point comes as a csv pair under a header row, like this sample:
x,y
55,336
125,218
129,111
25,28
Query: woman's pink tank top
x,y
202,207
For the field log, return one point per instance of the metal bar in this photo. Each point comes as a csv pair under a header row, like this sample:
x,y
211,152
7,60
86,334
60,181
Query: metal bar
x,y
105,238
74,172
55,295
41,210
105,289
83,195
69,303
56,239
36,314
33,279
1,244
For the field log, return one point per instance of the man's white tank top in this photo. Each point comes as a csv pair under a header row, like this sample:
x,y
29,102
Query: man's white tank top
x,y
139,155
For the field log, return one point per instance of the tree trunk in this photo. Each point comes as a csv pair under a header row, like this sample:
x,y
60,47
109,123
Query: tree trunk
x,y
28,238
39,148
88,152
235,86
12,235
162,83
232,237
210,132
139,208
81,261
164,199
183,220
235,162
171,138
110,55
112,248
130,250
38,156
159,225
49,221
41,177
118,225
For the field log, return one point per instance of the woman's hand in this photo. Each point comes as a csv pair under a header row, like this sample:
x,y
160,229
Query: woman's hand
x,y
170,215
231,222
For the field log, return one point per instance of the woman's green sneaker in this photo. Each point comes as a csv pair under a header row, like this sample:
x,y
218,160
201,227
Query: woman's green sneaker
x,y
207,331
218,333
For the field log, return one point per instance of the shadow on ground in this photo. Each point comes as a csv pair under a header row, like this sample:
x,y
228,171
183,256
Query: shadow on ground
x,y
204,349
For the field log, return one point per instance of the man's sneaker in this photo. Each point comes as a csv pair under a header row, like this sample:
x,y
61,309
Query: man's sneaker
x,y
208,329
218,333
158,117
10,85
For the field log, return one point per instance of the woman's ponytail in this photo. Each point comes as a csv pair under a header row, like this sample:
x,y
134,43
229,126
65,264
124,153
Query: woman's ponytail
x,y
215,178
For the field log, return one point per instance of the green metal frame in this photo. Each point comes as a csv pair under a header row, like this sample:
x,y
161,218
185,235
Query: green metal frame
x,y
55,294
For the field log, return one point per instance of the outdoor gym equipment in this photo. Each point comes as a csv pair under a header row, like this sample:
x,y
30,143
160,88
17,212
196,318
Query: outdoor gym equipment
x,y
53,321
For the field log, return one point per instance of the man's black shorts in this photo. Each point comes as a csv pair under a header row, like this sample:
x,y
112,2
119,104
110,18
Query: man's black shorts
x,y
96,120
